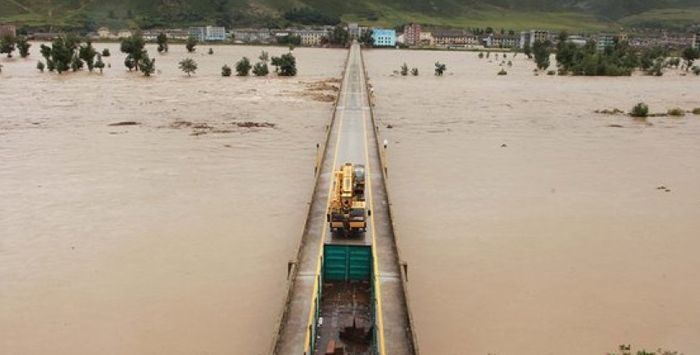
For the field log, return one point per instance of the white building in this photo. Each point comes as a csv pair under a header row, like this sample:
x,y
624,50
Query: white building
x,y
209,33
312,37
251,35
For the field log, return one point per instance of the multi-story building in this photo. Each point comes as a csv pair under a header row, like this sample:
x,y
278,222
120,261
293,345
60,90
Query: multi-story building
x,y
426,38
384,37
412,34
310,37
8,29
124,34
502,41
604,41
530,37
251,35
455,38
208,33
696,41
104,33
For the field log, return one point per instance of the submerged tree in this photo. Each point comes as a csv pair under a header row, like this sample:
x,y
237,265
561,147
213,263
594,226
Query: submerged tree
x,y
260,69
414,71
440,68
225,70
87,53
40,66
99,64
147,65
690,54
541,51
404,69
133,46
106,53
191,44
162,41
7,44
188,65
243,67
285,65
23,46
264,57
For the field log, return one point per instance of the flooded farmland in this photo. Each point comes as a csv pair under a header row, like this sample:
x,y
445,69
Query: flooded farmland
x,y
154,215
531,224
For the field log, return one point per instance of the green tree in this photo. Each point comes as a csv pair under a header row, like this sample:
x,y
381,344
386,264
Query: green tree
x,y
40,66
440,68
367,38
7,44
225,70
285,65
690,54
87,53
264,57
640,110
162,41
133,46
188,65
105,52
404,69
243,67
59,56
541,51
527,50
211,51
260,69
191,44
23,46
76,63
99,64
339,36
147,65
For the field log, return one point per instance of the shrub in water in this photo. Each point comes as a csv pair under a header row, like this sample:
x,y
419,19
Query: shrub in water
x,y
640,110
503,72
676,112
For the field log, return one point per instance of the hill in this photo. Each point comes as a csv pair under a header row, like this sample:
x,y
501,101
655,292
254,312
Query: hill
x,y
577,15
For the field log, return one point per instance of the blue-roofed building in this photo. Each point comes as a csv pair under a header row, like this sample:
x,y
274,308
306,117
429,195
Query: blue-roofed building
x,y
384,37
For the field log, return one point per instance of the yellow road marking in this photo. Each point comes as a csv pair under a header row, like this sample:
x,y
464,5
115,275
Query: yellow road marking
x,y
377,275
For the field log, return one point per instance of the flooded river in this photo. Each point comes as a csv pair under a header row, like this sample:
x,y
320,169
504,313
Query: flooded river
x,y
531,224
169,236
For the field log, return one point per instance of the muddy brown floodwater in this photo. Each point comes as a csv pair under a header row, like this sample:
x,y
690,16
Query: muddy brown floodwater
x,y
154,215
532,225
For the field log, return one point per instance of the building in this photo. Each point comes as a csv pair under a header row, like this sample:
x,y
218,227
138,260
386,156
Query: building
x,y
209,33
696,41
354,30
177,34
604,41
426,38
215,33
501,41
412,34
104,33
455,38
310,37
384,37
251,35
8,29
124,34
577,40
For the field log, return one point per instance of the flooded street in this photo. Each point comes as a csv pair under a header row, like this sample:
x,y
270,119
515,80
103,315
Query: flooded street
x,y
531,224
167,234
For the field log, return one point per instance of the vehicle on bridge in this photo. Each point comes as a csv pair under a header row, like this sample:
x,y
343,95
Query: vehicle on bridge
x,y
347,211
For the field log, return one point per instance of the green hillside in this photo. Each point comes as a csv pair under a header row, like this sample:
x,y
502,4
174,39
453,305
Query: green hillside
x,y
509,14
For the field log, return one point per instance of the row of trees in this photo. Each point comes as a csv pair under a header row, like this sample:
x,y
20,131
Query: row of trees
x,y
70,53
619,59
8,44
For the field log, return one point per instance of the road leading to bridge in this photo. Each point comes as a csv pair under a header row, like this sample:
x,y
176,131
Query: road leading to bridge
x,y
352,139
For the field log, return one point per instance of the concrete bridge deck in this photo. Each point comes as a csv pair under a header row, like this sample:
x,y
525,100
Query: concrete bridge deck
x,y
352,139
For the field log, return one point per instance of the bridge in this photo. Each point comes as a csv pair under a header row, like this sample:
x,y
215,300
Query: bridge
x,y
345,312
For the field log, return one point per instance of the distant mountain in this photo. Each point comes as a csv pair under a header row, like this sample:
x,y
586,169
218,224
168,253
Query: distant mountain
x,y
586,15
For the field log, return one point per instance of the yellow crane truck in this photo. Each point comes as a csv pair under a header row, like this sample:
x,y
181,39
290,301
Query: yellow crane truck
x,y
347,209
